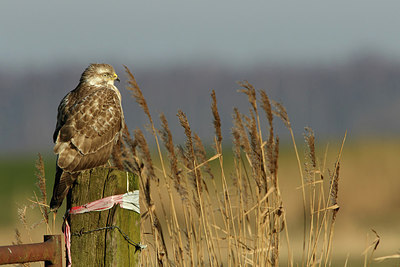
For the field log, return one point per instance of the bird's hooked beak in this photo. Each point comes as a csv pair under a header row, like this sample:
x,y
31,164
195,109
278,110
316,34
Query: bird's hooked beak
x,y
116,77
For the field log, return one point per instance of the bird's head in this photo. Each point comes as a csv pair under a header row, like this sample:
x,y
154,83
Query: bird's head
x,y
99,75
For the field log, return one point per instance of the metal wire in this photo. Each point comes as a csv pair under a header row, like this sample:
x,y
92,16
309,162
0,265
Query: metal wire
x,y
137,246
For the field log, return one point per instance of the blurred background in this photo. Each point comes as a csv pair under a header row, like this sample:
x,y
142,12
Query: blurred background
x,y
334,65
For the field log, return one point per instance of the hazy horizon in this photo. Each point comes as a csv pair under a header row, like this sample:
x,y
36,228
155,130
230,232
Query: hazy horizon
x,y
360,95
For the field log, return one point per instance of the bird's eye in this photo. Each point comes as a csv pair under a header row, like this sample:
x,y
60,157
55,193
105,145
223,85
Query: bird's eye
x,y
105,74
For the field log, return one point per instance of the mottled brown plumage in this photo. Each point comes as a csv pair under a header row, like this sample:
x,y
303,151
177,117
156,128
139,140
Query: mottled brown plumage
x,y
89,123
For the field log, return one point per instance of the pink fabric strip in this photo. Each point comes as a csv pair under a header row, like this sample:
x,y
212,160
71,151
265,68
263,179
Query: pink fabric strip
x,y
97,205
67,239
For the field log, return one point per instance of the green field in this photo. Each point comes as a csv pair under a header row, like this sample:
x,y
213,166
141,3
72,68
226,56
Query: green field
x,y
17,183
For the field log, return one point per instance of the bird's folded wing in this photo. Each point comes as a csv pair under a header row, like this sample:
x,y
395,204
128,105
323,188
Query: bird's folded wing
x,y
92,125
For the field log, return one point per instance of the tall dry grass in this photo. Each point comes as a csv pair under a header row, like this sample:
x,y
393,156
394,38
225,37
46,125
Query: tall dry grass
x,y
212,216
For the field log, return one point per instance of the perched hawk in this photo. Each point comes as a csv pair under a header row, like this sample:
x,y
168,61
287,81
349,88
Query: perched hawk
x,y
89,123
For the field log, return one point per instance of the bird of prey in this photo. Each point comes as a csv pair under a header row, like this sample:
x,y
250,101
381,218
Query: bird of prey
x,y
89,123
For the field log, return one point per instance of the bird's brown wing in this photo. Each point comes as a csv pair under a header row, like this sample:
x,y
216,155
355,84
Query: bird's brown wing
x,y
89,131
85,140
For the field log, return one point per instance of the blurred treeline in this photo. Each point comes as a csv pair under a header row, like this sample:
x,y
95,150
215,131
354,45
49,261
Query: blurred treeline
x,y
361,95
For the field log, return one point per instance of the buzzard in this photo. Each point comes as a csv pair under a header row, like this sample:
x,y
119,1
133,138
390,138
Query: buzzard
x,y
89,123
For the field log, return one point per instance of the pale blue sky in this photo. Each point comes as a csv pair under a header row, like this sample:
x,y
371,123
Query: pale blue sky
x,y
160,32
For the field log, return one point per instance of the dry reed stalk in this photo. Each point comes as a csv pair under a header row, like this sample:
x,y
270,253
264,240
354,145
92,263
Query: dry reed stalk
x,y
176,174
383,258
322,205
256,157
277,216
255,133
243,196
188,155
42,208
41,184
204,166
19,242
194,152
137,93
180,187
201,158
371,248
260,179
333,194
310,170
242,141
228,213
188,215
264,216
226,204
239,126
146,176
22,219
217,119
266,106
248,89
17,237
281,113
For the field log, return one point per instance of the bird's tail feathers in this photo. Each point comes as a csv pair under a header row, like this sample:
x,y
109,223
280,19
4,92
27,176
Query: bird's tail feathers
x,y
62,183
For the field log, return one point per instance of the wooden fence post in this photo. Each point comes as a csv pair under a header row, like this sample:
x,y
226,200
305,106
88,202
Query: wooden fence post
x,y
95,239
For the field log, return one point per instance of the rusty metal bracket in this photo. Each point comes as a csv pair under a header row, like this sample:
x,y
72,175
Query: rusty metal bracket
x,y
48,251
